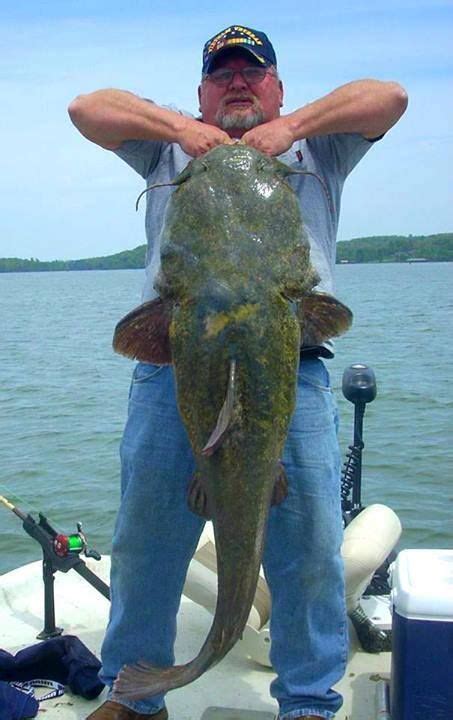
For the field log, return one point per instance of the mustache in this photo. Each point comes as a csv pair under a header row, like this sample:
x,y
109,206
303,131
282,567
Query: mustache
x,y
238,96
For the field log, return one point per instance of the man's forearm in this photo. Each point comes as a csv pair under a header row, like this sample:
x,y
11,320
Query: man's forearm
x,y
108,117
368,107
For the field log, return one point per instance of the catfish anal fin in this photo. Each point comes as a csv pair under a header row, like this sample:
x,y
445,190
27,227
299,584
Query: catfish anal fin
x,y
225,415
143,334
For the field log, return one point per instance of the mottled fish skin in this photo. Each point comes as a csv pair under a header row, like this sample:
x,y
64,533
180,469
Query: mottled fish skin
x,y
234,254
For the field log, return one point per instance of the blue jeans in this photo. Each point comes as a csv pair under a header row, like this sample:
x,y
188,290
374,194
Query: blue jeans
x,y
156,536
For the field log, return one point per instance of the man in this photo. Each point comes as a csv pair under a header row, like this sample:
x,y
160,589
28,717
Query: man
x,y
156,535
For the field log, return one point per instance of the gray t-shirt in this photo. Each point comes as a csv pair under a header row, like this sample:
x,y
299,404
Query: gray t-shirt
x,y
332,157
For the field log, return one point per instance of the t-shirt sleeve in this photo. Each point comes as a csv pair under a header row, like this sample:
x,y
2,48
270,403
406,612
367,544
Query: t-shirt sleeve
x,y
143,155
341,152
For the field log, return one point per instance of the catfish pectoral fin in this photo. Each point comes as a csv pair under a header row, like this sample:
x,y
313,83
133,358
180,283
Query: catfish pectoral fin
x,y
198,498
281,485
225,415
143,334
322,316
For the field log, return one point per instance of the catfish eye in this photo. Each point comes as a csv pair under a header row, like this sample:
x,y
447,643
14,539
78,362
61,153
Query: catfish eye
x,y
199,166
262,164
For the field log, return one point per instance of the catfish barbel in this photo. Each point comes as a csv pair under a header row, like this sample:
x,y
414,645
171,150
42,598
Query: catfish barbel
x,y
235,300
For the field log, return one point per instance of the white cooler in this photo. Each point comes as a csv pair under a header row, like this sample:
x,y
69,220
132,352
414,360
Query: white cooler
x,y
421,684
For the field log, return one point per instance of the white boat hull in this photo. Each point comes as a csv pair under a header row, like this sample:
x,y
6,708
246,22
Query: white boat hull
x,y
238,685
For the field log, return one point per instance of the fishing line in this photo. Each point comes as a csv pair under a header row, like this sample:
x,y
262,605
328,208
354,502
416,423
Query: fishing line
x,y
9,498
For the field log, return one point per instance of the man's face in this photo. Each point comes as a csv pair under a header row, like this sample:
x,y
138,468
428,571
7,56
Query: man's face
x,y
239,106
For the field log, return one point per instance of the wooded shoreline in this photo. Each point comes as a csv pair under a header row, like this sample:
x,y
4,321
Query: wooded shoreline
x,y
377,249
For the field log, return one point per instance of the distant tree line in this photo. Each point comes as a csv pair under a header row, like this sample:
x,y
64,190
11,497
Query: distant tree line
x,y
396,248
381,248
128,259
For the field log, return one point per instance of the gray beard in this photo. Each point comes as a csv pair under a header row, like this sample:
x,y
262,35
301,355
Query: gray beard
x,y
238,120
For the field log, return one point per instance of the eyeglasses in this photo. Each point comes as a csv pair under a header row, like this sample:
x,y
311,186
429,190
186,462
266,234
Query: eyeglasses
x,y
252,75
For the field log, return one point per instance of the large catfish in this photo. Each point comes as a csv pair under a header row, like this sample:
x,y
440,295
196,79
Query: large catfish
x,y
236,297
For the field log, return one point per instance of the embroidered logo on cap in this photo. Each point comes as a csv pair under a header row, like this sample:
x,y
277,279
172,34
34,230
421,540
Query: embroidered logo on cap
x,y
226,37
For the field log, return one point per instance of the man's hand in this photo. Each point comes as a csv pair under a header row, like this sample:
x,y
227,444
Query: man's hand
x,y
271,138
196,137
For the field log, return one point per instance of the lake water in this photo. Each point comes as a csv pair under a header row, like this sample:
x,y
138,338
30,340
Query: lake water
x,y
63,395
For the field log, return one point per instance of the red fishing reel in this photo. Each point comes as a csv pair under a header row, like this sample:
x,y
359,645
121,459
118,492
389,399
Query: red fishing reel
x,y
65,545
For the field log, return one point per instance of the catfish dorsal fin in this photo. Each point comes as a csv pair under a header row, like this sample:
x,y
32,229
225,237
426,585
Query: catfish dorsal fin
x,y
143,334
225,415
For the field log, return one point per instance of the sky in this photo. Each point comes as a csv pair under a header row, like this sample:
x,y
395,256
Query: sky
x,y
62,197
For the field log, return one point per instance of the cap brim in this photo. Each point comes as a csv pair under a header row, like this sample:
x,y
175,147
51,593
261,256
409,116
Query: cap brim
x,y
229,48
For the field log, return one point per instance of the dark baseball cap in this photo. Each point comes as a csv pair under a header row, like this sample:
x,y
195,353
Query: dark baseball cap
x,y
238,37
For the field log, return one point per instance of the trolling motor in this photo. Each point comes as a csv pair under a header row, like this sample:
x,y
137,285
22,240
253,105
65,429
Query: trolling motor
x,y
359,387
60,552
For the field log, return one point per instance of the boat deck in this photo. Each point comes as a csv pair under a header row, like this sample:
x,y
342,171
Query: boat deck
x,y
236,689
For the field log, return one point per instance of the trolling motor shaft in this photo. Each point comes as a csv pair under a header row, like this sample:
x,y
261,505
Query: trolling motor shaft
x,y
359,387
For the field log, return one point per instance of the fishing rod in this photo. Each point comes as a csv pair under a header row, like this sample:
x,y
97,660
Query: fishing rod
x,y
60,552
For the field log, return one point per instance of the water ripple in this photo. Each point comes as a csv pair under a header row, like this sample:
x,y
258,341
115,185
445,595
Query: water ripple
x,y
63,395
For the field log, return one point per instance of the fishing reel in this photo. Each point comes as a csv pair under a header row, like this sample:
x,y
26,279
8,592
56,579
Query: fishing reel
x,y
60,552
76,543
